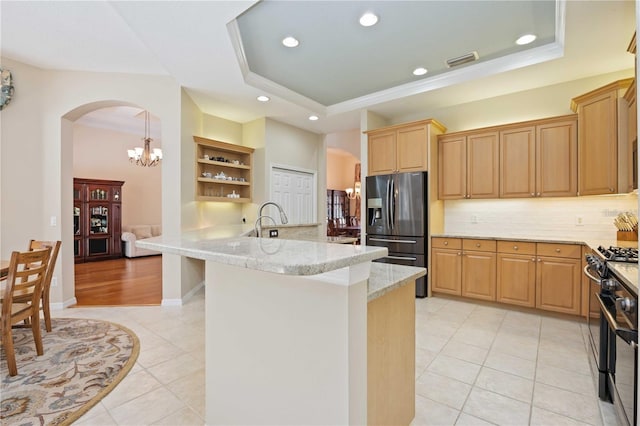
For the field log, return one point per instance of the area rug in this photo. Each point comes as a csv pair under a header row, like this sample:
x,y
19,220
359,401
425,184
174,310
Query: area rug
x,y
84,359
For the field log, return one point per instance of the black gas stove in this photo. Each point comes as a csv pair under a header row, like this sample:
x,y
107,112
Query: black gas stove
x,y
619,254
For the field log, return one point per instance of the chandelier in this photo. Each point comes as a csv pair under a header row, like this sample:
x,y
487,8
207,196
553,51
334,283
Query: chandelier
x,y
145,157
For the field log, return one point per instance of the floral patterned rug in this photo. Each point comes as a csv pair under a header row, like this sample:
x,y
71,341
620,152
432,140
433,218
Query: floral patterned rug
x,y
84,359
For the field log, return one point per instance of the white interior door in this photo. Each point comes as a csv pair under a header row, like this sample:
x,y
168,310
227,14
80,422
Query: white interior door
x,y
295,191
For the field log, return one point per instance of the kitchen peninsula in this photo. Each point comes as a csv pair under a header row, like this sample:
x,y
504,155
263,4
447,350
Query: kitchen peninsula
x,y
291,327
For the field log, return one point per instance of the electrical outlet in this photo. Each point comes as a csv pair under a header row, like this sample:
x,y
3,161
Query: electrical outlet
x,y
474,219
53,221
54,281
579,220
273,233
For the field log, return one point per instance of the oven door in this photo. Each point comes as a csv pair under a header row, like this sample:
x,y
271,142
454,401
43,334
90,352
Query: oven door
x,y
623,361
600,340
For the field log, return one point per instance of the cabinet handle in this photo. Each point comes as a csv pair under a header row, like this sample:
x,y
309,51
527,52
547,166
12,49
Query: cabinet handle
x,y
533,259
610,189
539,260
538,194
477,244
533,194
446,243
515,247
459,254
557,250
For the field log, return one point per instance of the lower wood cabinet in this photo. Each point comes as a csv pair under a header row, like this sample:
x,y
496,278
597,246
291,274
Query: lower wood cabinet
x,y
446,270
545,276
466,269
559,282
479,269
516,281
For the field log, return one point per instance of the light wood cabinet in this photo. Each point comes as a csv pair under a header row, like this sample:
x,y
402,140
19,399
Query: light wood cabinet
x,y
479,269
630,178
446,266
598,128
559,278
464,267
516,275
540,159
468,165
223,171
402,148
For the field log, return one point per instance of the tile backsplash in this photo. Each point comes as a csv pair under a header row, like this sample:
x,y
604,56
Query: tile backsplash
x,y
576,217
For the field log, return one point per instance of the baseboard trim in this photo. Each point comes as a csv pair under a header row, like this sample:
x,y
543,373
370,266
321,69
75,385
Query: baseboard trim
x,y
185,298
63,305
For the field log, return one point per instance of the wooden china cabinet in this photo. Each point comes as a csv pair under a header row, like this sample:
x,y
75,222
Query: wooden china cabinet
x,y
97,219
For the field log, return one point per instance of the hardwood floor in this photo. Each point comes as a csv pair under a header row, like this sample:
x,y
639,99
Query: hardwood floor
x,y
119,282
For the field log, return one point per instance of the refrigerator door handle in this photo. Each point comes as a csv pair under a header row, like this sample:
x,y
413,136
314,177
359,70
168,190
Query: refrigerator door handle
x,y
401,258
393,203
387,210
386,240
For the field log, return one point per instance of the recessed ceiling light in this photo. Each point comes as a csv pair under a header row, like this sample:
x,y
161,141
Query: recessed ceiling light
x,y
525,39
290,41
368,19
263,98
420,71
313,117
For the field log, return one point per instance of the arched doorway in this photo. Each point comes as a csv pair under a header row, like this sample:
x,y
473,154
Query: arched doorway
x,y
95,140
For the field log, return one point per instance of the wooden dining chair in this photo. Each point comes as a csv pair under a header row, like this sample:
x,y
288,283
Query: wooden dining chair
x,y
46,285
27,271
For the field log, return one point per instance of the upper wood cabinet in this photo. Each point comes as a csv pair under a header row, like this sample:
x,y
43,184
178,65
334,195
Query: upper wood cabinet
x,y
468,165
539,159
630,180
223,171
401,148
598,137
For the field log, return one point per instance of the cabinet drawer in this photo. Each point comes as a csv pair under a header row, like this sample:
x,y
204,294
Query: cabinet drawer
x,y
572,251
479,245
517,247
451,243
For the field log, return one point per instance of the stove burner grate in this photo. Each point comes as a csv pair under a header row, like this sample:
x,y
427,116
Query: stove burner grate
x,y
620,254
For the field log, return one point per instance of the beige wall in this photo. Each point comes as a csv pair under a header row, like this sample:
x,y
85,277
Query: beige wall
x,y
102,154
37,153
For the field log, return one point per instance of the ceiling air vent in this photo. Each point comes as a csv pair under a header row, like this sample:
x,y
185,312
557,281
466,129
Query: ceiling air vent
x,y
469,57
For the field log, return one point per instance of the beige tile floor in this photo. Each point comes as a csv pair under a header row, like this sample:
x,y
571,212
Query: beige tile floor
x,y
475,365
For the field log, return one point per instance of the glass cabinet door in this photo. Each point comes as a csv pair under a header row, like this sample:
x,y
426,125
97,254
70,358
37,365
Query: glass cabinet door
x,y
77,221
99,219
98,193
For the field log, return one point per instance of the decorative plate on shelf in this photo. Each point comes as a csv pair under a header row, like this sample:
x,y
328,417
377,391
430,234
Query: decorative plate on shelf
x,y
6,90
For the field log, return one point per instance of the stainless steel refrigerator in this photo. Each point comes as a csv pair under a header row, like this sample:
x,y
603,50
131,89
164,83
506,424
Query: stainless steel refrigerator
x,y
397,219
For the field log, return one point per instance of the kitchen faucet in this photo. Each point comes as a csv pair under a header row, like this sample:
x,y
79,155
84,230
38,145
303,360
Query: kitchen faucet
x,y
258,224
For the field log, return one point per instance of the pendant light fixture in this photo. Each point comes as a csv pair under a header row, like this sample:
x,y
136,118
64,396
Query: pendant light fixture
x,y
145,157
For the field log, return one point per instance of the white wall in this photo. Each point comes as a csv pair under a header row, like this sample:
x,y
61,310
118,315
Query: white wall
x,y
540,217
102,154
532,104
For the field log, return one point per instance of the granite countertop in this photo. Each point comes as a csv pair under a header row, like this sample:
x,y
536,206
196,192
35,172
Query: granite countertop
x,y
385,277
627,272
226,244
327,239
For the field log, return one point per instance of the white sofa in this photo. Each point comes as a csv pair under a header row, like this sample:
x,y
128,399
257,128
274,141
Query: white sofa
x,y
132,233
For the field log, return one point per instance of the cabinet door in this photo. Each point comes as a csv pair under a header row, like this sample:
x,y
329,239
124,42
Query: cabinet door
x,y
632,148
382,153
483,165
518,162
446,272
516,279
411,149
116,229
597,145
452,167
558,285
557,159
479,275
